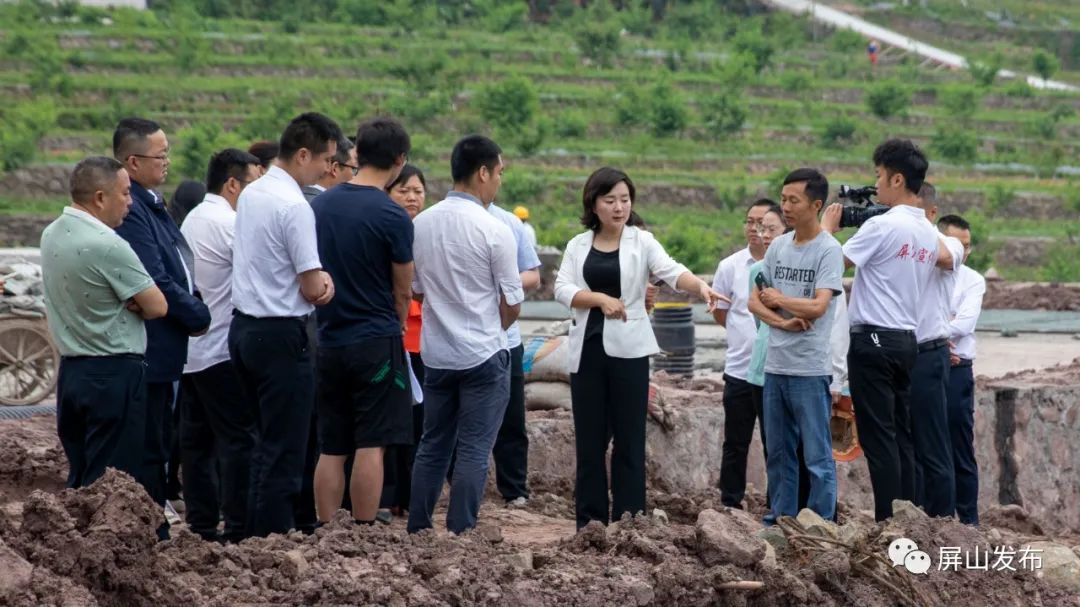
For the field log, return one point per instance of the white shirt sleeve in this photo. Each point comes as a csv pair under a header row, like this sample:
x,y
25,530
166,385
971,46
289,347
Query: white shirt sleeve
x,y
863,246
724,282
504,265
966,314
839,341
565,287
956,249
660,263
298,230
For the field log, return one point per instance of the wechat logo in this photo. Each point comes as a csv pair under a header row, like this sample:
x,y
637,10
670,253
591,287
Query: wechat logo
x,y
905,553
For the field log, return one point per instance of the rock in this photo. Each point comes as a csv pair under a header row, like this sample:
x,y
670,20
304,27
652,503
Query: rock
x,y
15,572
489,532
770,557
1060,565
295,564
850,533
521,560
905,511
815,524
728,537
660,516
774,537
641,591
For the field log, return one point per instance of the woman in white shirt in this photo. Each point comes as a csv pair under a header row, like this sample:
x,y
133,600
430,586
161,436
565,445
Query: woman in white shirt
x,y
602,279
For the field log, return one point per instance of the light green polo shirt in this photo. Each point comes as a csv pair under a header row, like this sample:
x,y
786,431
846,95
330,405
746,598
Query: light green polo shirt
x,y
756,372
89,274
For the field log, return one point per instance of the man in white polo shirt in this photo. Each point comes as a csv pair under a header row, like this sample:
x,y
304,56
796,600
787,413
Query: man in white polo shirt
x,y
895,253
966,304
277,281
741,409
217,422
467,276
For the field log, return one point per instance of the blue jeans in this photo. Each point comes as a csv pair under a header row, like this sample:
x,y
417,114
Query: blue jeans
x,y
462,410
794,408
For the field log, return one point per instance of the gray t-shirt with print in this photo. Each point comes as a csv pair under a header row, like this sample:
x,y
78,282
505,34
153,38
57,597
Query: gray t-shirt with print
x,y
799,271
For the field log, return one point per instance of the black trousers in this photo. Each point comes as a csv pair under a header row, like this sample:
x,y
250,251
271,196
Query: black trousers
x,y
758,394
398,459
101,415
304,517
741,411
217,436
961,414
935,482
609,394
879,373
160,397
511,450
274,366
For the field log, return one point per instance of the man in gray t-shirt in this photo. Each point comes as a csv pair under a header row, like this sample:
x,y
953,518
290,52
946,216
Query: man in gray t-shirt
x,y
803,272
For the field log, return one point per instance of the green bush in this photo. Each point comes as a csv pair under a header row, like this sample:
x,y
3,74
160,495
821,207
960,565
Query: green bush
x,y
1044,64
723,114
887,99
753,43
960,101
571,124
667,112
982,249
519,186
196,145
847,41
598,36
25,124
838,131
999,198
510,104
955,143
631,108
985,72
1062,263
1019,88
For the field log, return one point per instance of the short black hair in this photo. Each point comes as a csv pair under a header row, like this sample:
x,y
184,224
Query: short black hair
x,y
186,197
344,146
265,151
226,164
408,172
91,175
311,131
769,204
380,142
129,134
471,153
817,187
928,193
904,157
953,221
602,181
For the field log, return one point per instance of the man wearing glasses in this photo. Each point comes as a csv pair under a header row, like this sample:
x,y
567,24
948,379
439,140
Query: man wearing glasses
x,y
217,421
343,167
740,408
142,147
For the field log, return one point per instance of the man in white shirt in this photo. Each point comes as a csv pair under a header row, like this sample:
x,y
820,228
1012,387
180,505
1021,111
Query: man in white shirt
x,y
965,306
741,409
895,253
467,278
277,281
933,472
343,167
217,421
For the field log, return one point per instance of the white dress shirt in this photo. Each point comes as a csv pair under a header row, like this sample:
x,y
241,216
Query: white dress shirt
x,y
209,229
465,262
839,342
894,254
966,305
525,255
935,307
275,242
733,280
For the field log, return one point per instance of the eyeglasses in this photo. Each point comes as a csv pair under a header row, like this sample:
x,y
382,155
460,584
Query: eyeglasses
x,y
161,157
355,169
752,223
763,229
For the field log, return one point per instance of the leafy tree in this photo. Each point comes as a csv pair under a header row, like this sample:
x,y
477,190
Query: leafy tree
x,y
887,99
571,124
598,37
25,125
197,144
667,112
961,101
838,131
631,108
753,43
723,114
270,119
984,72
955,143
846,41
1045,64
509,104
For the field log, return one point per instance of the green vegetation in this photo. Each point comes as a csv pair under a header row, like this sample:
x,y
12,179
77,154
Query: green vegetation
x,y
705,104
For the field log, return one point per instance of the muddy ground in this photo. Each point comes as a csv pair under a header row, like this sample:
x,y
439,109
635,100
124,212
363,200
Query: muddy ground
x,y
96,546
1002,295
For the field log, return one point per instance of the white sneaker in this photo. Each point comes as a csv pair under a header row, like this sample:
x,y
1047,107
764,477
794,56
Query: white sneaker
x,y
519,502
170,513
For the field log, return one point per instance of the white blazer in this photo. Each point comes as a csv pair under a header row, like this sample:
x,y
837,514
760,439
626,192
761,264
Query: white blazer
x,y
639,256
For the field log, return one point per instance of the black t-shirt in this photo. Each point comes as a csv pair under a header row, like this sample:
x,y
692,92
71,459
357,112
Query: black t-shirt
x,y
361,233
601,274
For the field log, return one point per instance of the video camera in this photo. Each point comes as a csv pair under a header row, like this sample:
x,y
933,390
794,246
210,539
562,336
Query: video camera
x,y
860,206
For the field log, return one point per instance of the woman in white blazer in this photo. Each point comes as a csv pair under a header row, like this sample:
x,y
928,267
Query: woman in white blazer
x,y
602,279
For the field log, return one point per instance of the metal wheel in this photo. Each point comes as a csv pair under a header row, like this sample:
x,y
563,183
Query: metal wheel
x,y
29,362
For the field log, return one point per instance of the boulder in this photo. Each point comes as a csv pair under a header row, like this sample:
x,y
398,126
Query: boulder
x,y
815,524
728,537
1060,566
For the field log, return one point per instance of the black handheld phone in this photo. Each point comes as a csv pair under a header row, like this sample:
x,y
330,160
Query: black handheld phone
x,y
761,282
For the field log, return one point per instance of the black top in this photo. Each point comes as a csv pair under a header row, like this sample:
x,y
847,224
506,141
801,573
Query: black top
x,y
602,275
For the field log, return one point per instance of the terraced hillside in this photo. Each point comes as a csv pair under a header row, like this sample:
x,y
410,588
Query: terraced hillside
x,y
705,109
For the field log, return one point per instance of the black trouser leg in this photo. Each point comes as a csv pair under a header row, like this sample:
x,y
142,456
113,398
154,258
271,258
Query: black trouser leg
x,y
100,416
628,401
173,486
930,433
274,366
304,513
159,412
961,412
511,450
589,395
740,415
217,435
879,367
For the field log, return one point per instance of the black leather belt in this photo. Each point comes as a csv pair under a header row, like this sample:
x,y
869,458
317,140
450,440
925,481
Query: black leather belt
x,y
877,329
964,362
933,344
275,318
125,356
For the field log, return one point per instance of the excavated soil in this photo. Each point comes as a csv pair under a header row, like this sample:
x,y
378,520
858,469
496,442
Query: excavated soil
x,y
1001,295
96,546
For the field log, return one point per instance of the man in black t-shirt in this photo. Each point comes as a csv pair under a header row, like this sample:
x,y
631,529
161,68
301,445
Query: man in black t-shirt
x,y
365,243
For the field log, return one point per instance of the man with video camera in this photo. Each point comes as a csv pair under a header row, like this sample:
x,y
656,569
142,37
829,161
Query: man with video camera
x,y
895,253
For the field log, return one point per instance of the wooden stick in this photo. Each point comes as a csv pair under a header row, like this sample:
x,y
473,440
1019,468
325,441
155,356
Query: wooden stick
x,y
741,585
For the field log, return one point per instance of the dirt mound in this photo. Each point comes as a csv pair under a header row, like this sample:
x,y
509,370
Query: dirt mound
x,y
1031,296
30,457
